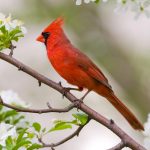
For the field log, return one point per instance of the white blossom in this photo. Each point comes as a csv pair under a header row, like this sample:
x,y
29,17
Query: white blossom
x,y
11,24
2,17
137,6
122,6
147,133
105,0
5,131
141,7
79,2
12,98
23,29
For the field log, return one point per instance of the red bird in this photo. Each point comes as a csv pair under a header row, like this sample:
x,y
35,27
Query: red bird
x,y
79,70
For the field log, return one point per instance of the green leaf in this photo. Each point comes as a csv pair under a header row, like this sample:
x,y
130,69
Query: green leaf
x,y
23,142
83,118
16,39
75,122
15,32
1,107
9,143
21,135
3,29
61,126
34,146
17,120
9,113
36,126
31,135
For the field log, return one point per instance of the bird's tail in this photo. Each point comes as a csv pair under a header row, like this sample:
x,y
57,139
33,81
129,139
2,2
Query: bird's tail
x,y
128,115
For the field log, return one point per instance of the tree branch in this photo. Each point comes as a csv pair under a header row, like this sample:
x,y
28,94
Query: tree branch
x,y
90,112
76,133
39,111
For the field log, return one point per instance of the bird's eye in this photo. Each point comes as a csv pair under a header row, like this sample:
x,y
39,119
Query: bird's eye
x,y
45,34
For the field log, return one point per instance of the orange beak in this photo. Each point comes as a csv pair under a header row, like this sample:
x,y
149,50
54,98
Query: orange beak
x,y
40,39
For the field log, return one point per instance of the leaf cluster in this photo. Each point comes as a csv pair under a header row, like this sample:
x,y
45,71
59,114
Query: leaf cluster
x,y
8,36
79,119
10,116
23,140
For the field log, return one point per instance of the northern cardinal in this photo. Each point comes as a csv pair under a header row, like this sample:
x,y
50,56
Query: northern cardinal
x,y
77,68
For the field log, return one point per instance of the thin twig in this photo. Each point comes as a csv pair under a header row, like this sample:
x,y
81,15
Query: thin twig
x,y
131,143
39,111
12,47
76,133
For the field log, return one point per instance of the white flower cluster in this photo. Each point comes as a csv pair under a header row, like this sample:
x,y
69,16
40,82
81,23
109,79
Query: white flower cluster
x,y
11,24
138,6
6,130
147,133
79,2
12,98
9,130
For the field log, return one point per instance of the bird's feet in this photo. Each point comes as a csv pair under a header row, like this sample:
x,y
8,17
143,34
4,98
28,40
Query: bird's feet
x,y
78,102
68,89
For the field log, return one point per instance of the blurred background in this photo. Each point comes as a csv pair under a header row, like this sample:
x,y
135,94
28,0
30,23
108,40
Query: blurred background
x,y
117,43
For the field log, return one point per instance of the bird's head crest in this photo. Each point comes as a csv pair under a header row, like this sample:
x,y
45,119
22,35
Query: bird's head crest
x,y
54,26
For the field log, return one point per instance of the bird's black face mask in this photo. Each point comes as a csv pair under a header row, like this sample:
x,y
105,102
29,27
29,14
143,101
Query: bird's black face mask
x,y
46,36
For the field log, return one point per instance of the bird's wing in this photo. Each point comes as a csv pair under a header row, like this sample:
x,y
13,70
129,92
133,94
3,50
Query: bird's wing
x,y
92,70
